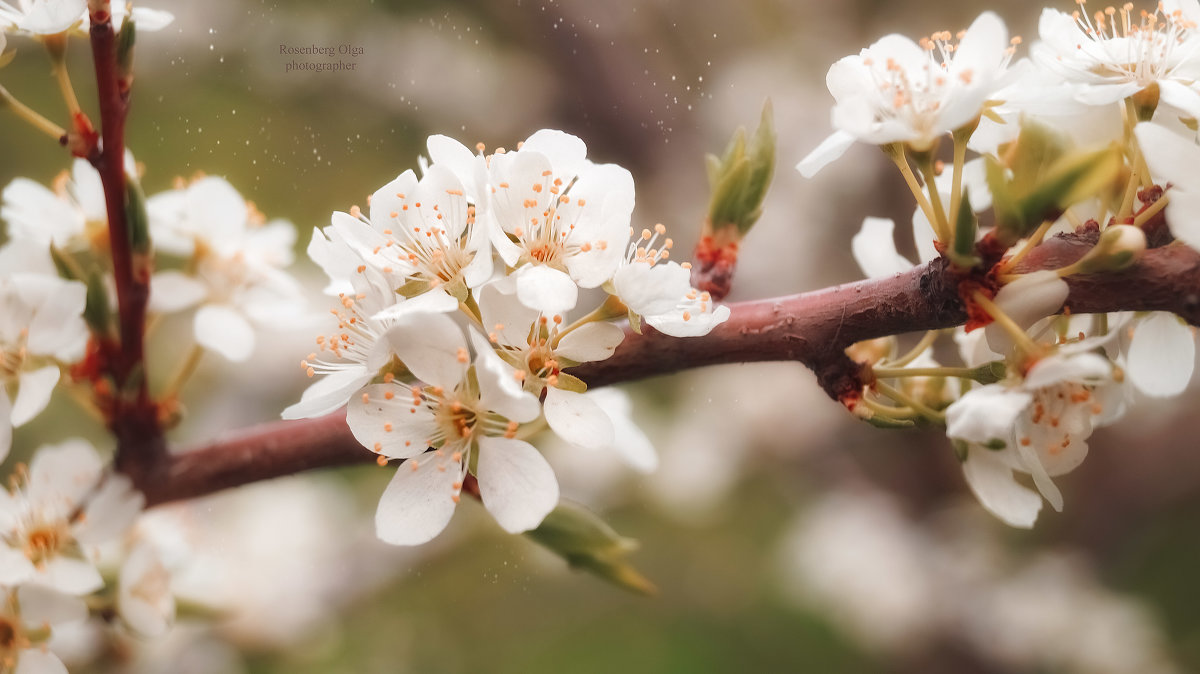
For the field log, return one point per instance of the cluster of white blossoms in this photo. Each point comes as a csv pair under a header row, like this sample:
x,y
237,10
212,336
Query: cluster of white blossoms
x,y
509,243
1092,136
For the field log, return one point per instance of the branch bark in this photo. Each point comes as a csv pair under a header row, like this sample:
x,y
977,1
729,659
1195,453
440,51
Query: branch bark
x,y
141,446
813,328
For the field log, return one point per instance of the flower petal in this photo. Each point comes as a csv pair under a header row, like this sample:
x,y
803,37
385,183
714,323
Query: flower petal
x,y
1161,355
420,500
432,347
221,329
174,291
986,414
36,661
547,290
830,149
41,605
590,342
874,249
33,393
577,419
992,481
328,393
385,420
1026,300
69,575
516,483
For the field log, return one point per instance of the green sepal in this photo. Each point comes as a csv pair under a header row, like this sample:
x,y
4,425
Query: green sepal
x,y
880,422
960,448
96,311
135,214
635,322
587,543
571,383
125,41
963,253
990,373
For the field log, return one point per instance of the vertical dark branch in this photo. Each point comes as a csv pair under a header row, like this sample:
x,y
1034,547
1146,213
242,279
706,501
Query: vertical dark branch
x,y
134,420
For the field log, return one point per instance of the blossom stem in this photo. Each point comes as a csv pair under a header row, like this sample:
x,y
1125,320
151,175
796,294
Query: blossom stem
x,y
30,115
471,309
893,372
941,226
63,76
927,341
896,152
960,158
1004,321
612,308
905,399
1126,211
82,397
187,367
1032,242
1151,210
889,411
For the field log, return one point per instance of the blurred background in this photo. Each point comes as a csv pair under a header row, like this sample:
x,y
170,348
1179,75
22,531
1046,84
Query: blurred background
x,y
783,535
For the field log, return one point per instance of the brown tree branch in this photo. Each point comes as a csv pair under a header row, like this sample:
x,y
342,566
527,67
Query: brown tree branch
x,y
133,414
813,328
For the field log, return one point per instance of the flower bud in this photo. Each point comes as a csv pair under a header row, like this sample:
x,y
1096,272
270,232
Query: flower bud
x,y
586,542
1118,248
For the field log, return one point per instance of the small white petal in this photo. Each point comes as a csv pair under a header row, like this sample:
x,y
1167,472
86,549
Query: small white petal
x,y
221,329
986,414
417,504
43,605
33,393
110,511
830,149
435,301
1026,300
992,481
499,390
590,342
328,393
550,291
1161,355
69,575
15,567
516,483
577,419
874,249
37,661
393,427
175,291
432,346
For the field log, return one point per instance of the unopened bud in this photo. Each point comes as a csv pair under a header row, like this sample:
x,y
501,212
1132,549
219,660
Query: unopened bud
x,y
871,351
586,542
1118,248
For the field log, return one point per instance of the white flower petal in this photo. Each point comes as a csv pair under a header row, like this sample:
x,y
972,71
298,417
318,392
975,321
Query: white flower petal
x,y
111,511
499,389
328,393
874,249
566,152
69,575
577,419
1161,355
224,330
41,605
986,414
432,347
33,393
6,427
651,290
15,567
516,483
175,291
1041,478
829,150
1026,300
547,290
992,481
385,420
435,301
36,661
419,501
62,475
590,342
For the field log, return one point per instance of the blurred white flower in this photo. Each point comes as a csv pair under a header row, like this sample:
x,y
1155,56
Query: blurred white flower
x,y
41,17
67,506
1173,160
1161,355
1111,55
40,322
235,265
144,598
28,616
72,216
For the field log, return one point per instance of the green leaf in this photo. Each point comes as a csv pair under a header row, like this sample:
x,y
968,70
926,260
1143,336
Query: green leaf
x,y
135,214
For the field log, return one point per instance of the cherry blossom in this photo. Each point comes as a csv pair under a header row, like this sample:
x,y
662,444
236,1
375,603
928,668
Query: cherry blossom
x,y
466,416
41,17
900,91
1112,55
67,505
558,218
1173,160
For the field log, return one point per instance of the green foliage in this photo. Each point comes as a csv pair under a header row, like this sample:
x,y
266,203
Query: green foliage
x,y
740,178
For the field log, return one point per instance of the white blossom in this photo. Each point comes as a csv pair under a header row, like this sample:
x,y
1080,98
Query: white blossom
x,y
559,219
41,17
1112,55
464,421
1173,159
899,91
67,505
